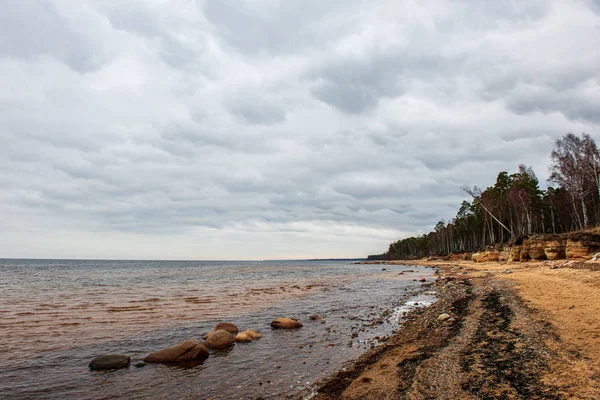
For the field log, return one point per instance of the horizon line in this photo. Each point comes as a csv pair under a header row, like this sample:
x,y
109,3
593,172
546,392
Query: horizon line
x,y
186,259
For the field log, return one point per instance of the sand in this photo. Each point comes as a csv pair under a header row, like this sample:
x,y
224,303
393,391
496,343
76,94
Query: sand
x,y
532,333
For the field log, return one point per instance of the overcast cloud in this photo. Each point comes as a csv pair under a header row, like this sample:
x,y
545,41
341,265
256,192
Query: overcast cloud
x,y
251,129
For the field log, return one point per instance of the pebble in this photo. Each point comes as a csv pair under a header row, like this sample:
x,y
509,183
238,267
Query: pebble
x,y
443,317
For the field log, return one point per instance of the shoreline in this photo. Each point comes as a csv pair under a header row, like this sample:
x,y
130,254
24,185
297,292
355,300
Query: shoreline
x,y
518,330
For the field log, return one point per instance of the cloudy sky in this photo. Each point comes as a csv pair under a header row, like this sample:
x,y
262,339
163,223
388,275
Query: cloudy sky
x,y
261,129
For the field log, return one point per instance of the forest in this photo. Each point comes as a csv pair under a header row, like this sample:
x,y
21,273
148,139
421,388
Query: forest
x,y
515,206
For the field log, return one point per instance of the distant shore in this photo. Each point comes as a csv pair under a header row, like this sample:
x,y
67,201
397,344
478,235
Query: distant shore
x,y
518,330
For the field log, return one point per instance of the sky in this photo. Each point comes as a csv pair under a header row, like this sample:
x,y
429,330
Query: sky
x,y
272,129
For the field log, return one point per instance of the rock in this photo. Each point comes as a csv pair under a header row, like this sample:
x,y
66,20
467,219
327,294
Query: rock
x,y
384,269
443,317
316,317
536,247
515,251
450,321
422,280
555,249
139,364
243,337
286,323
188,350
110,361
219,340
460,256
508,271
524,255
556,264
226,326
486,256
207,335
582,245
253,334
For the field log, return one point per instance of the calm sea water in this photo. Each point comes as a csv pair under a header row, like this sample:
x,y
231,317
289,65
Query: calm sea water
x,y
56,315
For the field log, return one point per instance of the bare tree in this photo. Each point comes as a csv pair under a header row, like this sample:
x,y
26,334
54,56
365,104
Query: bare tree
x,y
576,167
476,194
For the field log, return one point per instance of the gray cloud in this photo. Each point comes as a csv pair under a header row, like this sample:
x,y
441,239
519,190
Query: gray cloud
x,y
279,26
37,28
222,129
354,86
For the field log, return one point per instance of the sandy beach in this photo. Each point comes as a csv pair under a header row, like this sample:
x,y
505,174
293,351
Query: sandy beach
x,y
513,331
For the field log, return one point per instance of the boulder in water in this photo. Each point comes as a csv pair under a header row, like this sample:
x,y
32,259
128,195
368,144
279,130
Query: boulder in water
x,y
243,337
110,361
286,323
220,339
226,326
188,350
253,334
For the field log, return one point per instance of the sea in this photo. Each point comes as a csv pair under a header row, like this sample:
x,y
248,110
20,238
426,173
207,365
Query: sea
x,y
57,315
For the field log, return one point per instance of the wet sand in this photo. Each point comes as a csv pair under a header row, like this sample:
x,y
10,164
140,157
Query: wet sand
x,y
529,334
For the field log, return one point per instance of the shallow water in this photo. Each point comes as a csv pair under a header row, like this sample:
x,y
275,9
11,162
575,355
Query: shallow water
x,y
55,316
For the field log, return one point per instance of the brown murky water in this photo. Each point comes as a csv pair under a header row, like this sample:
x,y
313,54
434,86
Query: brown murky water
x,y
57,315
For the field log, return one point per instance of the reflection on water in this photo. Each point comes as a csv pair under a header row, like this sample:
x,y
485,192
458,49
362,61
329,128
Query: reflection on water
x,y
57,315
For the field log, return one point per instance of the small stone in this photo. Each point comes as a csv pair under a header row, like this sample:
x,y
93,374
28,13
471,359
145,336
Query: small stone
x,y
286,323
508,271
252,334
443,317
139,364
243,337
315,317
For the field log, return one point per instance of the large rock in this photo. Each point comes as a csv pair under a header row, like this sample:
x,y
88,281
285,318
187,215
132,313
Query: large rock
x,y
226,326
486,256
515,253
555,249
110,361
207,335
188,350
536,246
460,256
582,245
286,323
524,255
220,339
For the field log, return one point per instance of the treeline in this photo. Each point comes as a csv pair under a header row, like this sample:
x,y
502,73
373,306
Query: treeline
x,y
515,206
